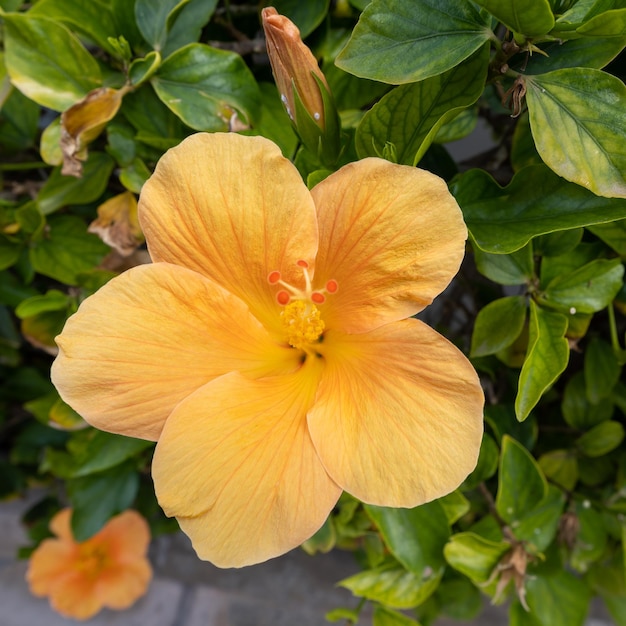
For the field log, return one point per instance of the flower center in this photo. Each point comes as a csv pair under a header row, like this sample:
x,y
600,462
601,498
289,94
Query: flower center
x,y
92,560
300,317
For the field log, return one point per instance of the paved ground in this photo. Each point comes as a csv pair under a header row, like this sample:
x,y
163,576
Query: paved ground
x,y
294,590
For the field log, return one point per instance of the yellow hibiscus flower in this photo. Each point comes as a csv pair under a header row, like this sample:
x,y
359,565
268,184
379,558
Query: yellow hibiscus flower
x,y
109,570
266,348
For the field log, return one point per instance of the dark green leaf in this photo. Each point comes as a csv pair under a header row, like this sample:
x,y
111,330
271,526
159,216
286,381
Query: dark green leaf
x,y
487,463
531,18
60,190
498,325
557,243
607,24
141,70
613,234
559,600
67,250
205,87
414,536
47,63
584,52
307,16
591,538
578,412
516,268
97,498
404,41
577,120
409,116
547,357
188,25
539,525
455,505
521,484
536,202
19,122
602,370
154,18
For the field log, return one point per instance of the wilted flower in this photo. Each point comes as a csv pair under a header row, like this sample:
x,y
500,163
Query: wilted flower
x,y
267,350
108,570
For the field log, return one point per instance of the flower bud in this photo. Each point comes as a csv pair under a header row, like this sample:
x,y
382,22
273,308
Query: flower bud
x,y
302,85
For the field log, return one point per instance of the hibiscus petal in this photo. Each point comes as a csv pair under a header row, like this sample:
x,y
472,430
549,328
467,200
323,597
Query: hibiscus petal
x,y
392,237
398,416
232,208
236,466
151,337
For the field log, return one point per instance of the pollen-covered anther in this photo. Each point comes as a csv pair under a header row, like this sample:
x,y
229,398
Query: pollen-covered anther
x,y
302,323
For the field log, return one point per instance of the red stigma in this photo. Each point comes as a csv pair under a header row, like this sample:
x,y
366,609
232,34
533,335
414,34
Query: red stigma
x,y
302,263
317,297
273,277
332,286
282,297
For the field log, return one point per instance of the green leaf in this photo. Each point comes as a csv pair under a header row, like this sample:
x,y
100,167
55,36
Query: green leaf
x,y
576,117
521,484
455,505
613,234
591,539
104,451
558,600
560,467
19,122
601,439
538,527
188,25
602,370
607,24
459,126
474,556
557,243
141,70
516,268
386,617
67,250
577,410
532,18
498,325
92,18
487,463
588,289
459,599
154,18
414,536
546,359
409,116
47,63
307,16
205,87
404,41
53,300
535,202
98,497
584,52
554,266
60,190
393,586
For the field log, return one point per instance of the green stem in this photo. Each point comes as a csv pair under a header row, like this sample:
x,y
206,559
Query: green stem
x,y
613,329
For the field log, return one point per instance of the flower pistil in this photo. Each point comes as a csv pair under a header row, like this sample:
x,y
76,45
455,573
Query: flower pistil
x,y
300,317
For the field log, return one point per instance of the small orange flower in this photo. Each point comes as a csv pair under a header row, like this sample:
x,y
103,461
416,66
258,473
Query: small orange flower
x,y
108,570
267,347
